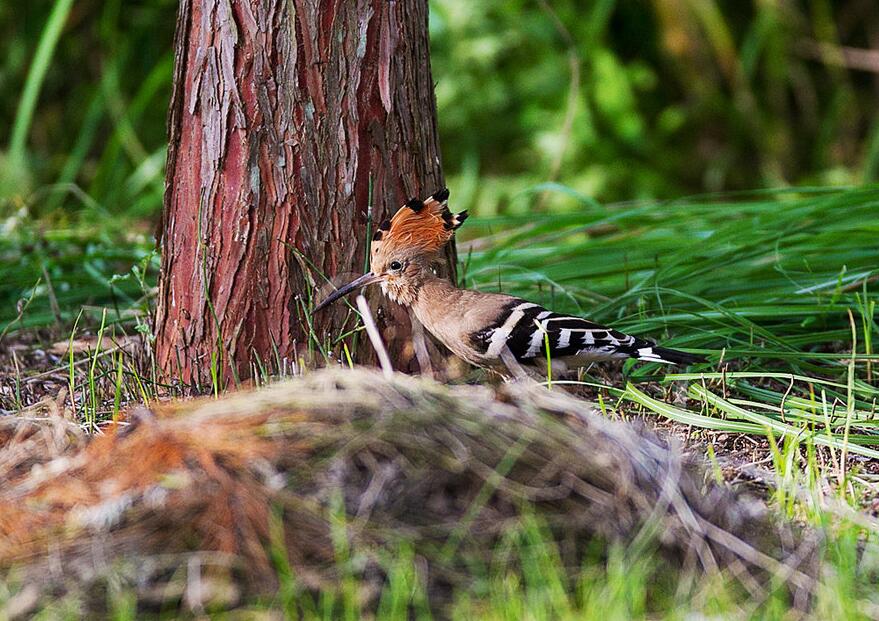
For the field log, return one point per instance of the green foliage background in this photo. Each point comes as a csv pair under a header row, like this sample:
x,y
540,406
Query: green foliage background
x,y
617,99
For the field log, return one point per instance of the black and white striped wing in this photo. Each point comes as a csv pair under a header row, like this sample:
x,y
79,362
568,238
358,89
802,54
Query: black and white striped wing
x,y
524,328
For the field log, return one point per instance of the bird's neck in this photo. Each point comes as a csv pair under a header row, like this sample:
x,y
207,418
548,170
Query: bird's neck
x,y
434,299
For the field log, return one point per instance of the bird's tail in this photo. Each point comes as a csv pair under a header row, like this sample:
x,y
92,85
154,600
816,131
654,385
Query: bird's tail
x,y
654,353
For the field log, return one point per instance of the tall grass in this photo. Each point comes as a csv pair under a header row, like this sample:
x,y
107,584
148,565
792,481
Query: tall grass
x,y
36,75
768,283
87,99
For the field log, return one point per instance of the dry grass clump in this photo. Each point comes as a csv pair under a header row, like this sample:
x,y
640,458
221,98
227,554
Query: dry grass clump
x,y
180,503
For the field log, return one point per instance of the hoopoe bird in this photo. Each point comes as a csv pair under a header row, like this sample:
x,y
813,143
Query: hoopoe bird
x,y
487,330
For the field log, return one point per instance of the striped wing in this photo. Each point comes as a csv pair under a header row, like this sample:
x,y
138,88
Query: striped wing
x,y
524,328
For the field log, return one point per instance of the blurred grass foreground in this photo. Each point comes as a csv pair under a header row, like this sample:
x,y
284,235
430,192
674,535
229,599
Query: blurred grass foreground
x,y
344,494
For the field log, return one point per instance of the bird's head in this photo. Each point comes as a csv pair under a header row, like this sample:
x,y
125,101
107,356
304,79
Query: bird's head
x,y
404,247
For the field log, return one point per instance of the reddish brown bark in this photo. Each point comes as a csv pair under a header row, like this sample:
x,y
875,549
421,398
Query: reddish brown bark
x,y
281,112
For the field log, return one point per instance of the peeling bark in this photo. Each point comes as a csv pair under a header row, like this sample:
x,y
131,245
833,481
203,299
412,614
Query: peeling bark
x,y
281,112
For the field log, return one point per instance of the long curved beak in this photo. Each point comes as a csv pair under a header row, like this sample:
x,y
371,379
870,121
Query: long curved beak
x,y
367,279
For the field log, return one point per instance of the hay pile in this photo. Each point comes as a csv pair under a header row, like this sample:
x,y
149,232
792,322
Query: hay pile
x,y
179,504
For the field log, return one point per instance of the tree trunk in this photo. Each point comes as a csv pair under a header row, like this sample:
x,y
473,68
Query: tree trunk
x,y
282,113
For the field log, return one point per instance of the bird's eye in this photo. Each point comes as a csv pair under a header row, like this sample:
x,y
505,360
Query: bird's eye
x,y
396,266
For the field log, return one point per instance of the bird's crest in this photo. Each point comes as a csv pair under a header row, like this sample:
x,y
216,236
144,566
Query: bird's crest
x,y
423,225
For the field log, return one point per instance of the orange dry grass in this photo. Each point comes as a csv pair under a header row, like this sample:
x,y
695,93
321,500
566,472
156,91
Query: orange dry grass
x,y
162,452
